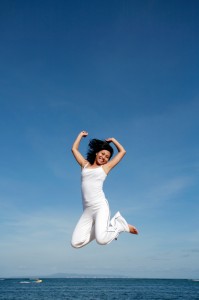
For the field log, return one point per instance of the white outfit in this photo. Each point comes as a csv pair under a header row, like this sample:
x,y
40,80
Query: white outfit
x,y
95,221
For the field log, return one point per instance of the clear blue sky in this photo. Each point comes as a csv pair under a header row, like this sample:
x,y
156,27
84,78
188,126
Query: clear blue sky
x,y
123,69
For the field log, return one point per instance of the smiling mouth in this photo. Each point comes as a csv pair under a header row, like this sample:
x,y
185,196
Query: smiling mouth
x,y
101,160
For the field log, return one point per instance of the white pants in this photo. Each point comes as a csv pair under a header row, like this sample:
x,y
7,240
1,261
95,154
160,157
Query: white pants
x,y
95,223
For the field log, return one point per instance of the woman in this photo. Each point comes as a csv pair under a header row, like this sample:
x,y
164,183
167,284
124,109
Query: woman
x,y
95,221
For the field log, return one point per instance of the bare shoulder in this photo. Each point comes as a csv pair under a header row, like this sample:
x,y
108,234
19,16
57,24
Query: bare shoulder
x,y
106,168
112,163
85,163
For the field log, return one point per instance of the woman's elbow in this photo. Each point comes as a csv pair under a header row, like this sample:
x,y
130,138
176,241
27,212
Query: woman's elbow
x,y
124,151
73,150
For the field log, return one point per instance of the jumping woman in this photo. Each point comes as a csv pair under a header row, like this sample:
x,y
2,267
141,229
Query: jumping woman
x,y
95,222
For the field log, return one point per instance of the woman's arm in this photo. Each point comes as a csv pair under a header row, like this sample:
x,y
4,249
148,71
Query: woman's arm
x,y
78,156
116,159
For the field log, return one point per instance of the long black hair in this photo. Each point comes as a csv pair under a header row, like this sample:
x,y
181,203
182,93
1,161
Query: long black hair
x,y
95,146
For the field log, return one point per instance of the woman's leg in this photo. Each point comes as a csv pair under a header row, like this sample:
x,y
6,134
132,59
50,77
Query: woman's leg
x,y
106,230
84,231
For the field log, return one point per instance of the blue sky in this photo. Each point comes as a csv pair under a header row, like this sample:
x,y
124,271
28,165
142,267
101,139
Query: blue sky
x,y
123,69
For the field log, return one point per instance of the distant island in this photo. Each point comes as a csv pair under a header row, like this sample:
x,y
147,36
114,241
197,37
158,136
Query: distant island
x,y
68,275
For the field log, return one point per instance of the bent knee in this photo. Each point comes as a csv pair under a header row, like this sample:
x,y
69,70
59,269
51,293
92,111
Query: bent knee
x,y
101,241
76,244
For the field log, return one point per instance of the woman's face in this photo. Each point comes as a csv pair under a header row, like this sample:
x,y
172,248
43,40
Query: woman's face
x,y
102,157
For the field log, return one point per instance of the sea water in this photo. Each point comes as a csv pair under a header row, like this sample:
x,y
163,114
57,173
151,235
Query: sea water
x,y
99,288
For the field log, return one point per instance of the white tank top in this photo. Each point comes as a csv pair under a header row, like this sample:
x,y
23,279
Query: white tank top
x,y
92,185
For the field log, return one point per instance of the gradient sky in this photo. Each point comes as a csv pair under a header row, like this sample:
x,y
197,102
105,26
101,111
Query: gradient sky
x,y
124,69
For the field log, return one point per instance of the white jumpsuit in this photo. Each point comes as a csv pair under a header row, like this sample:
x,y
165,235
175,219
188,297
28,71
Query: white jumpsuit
x,y
95,221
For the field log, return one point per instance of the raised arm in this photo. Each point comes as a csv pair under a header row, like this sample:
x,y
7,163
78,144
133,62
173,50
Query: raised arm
x,y
75,149
116,159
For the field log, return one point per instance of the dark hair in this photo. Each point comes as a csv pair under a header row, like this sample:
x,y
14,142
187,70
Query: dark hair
x,y
95,146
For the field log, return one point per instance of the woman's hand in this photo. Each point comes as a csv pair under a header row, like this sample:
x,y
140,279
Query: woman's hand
x,y
83,133
109,140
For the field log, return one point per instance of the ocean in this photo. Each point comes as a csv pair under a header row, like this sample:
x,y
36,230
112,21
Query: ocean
x,y
99,288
